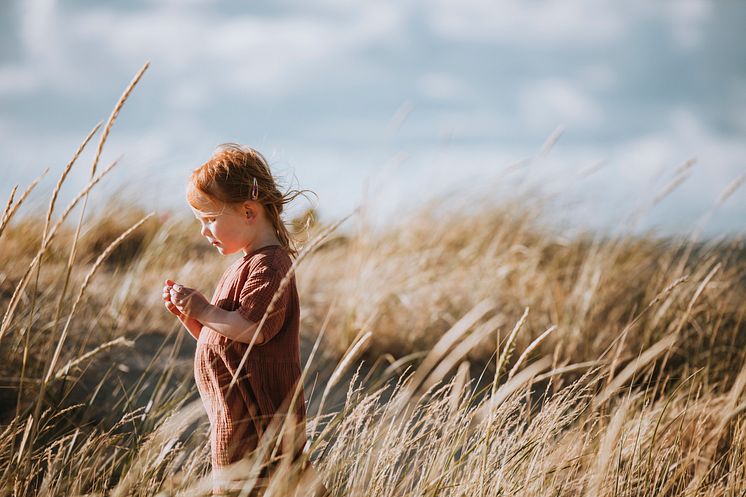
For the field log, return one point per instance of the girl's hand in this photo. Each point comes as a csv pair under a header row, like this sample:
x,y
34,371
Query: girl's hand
x,y
187,301
192,325
167,300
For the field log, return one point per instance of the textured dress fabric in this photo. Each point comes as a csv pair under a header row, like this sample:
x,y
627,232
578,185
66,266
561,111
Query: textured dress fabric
x,y
266,381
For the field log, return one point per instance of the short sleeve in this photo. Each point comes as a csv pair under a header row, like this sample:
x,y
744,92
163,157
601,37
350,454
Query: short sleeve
x,y
255,297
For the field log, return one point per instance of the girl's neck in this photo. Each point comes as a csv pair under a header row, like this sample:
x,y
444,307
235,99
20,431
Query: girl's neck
x,y
261,242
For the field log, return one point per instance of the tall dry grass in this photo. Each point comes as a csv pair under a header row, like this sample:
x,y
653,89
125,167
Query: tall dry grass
x,y
620,361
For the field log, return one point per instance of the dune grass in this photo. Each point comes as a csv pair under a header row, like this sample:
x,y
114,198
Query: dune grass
x,y
512,360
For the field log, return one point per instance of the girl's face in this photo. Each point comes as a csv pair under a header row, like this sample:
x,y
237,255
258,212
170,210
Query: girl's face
x,y
225,229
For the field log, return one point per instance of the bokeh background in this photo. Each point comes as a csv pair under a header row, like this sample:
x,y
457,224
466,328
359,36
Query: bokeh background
x,y
389,102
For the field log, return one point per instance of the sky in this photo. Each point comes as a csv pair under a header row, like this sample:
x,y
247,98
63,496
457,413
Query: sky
x,y
391,103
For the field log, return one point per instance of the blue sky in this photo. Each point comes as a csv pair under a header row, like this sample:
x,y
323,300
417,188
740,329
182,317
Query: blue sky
x,y
402,100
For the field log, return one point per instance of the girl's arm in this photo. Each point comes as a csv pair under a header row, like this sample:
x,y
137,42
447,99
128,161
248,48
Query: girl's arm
x,y
230,324
193,305
193,326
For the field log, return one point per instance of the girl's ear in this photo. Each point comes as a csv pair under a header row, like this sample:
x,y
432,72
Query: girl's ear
x,y
249,210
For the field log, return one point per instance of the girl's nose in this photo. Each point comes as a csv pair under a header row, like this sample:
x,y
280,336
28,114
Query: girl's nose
x,y
204,231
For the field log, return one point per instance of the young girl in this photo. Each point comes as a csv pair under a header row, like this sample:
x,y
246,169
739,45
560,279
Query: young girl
x,y
246,335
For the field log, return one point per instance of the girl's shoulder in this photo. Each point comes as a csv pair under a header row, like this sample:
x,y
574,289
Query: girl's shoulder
x,y
266,264
273,257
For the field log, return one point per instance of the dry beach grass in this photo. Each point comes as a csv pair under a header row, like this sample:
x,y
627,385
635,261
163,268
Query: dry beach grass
x,y
457,353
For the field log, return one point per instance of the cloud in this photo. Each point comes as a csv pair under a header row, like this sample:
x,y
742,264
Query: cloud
x,y
249,55
18,79
549,102
563,22
598,76
647,164
65,49
632,172
153,163
76,61
685,137
188,94
686,19
443,86
38,26
517,21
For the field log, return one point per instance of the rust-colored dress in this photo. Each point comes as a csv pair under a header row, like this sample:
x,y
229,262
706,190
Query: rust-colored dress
x,y
266,382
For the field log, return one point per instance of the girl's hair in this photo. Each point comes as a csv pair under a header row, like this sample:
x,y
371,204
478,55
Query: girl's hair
x,y
227,177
